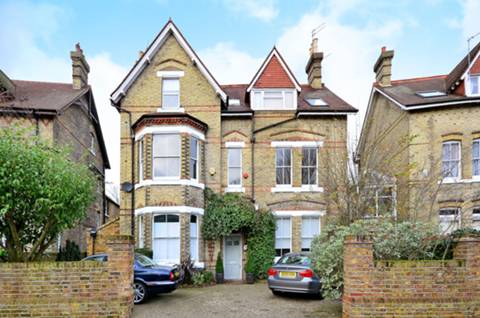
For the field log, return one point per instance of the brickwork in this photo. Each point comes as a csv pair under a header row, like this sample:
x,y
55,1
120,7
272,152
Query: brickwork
x,y
78,289
103,233
401,289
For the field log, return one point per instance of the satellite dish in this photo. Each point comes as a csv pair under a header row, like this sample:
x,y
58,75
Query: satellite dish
x,y
127,187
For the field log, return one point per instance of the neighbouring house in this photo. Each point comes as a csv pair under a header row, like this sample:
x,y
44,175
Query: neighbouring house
x,y
65,114
425,133
112,202
270,140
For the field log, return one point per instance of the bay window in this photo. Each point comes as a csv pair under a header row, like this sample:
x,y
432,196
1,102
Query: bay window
x,y
170,93
476,218
141,234
451,159
140,160
234,166
166,156
309,166
310,229
166,238
283,166
194,237
194,155
476,158
283,236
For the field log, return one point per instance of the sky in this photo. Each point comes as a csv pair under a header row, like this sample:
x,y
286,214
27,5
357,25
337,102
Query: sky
x,y
233,37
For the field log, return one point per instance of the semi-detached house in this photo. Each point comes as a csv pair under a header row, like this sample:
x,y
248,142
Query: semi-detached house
x,y
269,140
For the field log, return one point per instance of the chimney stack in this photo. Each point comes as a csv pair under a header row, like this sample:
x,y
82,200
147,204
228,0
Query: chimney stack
x,y
80,68
383,67
314,66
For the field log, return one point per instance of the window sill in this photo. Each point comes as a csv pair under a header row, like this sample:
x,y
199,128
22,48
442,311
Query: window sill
x,y
234,189
170,110
458,180
187,182
303,188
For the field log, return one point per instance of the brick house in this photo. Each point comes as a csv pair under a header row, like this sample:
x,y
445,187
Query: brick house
x,y
433,124
268,139
65,114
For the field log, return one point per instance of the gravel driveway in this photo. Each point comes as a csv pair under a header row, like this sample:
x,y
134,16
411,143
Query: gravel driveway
x,y
235,300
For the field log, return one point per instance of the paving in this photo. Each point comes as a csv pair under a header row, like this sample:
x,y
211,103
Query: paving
x,y
235,301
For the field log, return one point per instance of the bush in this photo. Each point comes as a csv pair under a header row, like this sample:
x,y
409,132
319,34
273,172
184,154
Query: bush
x,y
202,278
69,253
219,264
144,251
261,244
391,241
3,255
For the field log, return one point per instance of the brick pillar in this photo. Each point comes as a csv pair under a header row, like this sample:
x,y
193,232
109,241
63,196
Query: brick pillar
x,y
296,233
468,249
357,265
120,269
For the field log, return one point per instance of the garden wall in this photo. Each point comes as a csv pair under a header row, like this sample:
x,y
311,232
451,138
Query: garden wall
x,y
70,289
104,232
449,288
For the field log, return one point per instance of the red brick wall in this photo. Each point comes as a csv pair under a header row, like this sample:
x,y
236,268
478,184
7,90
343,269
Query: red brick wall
x,y
274,76
449,288
70,289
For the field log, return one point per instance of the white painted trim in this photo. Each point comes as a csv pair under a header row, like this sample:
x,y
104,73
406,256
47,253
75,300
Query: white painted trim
x,y
241,254
467,71
325,113
232,188
285,68
169,209
170,74
474,179
279,188
248,114
167,129
235,144
285,213
169,181
171,110
296,144
262,93
148,56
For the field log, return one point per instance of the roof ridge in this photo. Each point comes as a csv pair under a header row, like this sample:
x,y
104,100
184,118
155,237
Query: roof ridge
x,y
45,82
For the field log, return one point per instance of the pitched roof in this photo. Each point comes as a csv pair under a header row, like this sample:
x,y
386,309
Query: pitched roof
x,y
334,103
49,98
454,76
152,49
274,73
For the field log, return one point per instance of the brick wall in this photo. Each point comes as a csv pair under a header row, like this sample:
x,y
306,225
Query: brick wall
x,y
449,288
70,289
104,232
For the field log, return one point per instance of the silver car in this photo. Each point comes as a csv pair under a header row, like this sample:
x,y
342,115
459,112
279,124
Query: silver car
x,y
293,273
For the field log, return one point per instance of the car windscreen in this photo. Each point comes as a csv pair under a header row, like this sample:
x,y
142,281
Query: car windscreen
x,y
144,261
295,260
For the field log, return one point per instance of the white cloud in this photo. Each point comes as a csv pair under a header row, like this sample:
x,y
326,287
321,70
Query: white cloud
x,y
264,10
23,26
470,23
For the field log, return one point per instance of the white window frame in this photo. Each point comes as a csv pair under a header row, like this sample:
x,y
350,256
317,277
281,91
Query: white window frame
x,y
260,104
289,185
310,167
195,238
196,159
141,233
476,159
376,189
476,218
290,218
450,218
240,150
468,87
167,261
140,159
176,177
170,93
302,236
459,176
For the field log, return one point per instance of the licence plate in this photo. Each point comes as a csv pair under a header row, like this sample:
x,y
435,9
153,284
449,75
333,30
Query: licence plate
x,y
290,275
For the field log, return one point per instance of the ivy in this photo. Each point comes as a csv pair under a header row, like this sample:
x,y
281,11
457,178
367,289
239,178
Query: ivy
x,y
261,244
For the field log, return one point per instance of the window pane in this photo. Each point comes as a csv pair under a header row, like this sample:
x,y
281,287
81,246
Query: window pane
x,y
171,84
234,157
279,157
474,89
170,101
257,99
172,218
166,145
287,155
289,99
166,167
234,176
273,102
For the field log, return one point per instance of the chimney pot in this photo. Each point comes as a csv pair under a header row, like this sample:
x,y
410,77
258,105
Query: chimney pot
x,y
80,68
383,67
314,66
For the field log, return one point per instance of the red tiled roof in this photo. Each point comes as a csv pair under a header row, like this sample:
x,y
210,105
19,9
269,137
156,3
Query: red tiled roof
x,y
274,76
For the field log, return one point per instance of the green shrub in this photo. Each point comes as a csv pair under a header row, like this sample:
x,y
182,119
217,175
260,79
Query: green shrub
x,y
249,267
144,251
391,241
202,278
219,264
69,253
261,244
3,255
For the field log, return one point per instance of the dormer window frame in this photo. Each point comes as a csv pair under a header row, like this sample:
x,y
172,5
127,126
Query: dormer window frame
x,y
260,105
468,85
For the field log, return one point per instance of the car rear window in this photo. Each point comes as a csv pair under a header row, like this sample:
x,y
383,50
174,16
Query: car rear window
x,y
144,261
295,260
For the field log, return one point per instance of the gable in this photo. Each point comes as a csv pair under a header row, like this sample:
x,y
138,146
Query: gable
x,y
168,30
274,73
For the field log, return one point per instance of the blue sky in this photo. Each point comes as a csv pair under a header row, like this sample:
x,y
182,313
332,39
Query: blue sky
x,y
233,37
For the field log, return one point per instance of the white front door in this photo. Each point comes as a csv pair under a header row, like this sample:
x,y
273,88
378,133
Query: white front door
x,y
233,257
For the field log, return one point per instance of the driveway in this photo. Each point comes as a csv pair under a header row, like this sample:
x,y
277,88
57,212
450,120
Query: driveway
x,y
235,301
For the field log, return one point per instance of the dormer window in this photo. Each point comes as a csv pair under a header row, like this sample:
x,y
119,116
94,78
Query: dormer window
x,y
473,84
273,99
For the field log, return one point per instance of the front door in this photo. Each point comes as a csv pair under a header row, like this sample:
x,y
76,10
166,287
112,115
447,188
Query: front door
x,y
233,257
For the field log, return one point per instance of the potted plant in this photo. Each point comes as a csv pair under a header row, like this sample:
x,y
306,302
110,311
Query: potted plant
x,y
219,269
250,270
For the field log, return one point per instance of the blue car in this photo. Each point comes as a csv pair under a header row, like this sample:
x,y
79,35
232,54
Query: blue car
x,y
148,278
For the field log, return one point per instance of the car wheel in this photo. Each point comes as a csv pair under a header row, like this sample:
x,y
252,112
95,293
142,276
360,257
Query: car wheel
x,y
140,292
276,292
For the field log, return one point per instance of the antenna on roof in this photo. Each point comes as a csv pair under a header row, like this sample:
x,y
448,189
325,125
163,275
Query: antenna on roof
x,y
318,29
314,45
468,43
